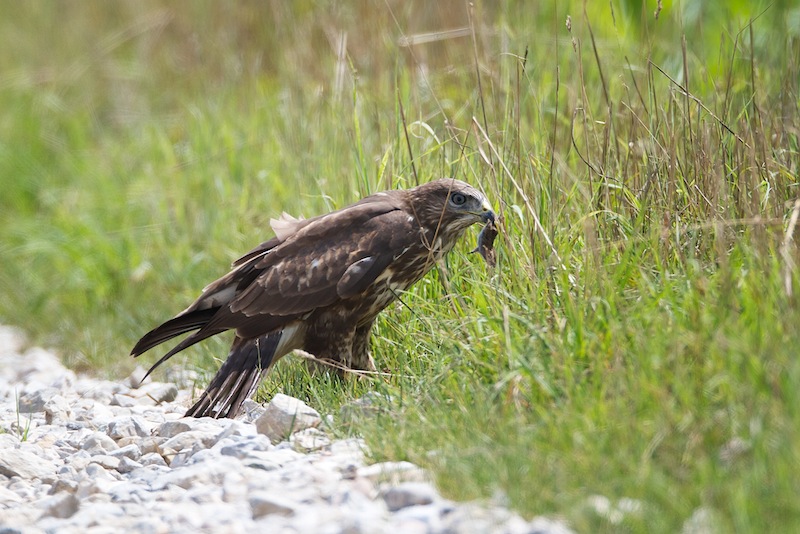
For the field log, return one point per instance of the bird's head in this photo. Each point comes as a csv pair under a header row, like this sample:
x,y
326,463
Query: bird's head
x,y
450,206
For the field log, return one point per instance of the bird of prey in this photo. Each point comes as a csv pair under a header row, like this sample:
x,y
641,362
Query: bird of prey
x,y
319,284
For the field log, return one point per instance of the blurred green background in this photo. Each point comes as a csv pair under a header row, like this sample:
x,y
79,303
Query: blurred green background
x,y
639,343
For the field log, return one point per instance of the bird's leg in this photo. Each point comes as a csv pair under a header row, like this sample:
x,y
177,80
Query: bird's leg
x,y
361,357
339,346
332,345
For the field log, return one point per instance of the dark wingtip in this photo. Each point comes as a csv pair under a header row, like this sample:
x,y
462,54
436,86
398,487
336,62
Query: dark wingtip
x,y
185,322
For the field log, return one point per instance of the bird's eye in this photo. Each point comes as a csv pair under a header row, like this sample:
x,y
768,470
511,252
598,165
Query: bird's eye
x,y
458,199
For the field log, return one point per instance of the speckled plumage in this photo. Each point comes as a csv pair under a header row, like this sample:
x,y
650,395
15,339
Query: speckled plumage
x,y
319,284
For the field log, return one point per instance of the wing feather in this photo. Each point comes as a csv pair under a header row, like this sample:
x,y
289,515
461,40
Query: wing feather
x,y
336,257
360,275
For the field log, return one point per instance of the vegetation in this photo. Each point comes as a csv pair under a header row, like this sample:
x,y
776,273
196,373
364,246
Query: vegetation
x,y
638,338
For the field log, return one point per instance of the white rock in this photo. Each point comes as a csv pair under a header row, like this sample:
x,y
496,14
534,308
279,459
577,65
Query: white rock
x,y
38,450
23,488
252,410
284,415
40,365
152,458
154,393
236,429
244,447
136,378
57,408
212,473
132,452
193,439
95,485
146,445
79,460
24,464
61,505
283,456
170,429
310,439
125,401
235,489
8,497
97,512
65,485
421,518
34,400
125,426
86,465
409,494
261,462
96,470
348,454
95,413
265,503
98,443
105,461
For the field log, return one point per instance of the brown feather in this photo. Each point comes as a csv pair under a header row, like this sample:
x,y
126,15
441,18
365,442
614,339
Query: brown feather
x,y
320,284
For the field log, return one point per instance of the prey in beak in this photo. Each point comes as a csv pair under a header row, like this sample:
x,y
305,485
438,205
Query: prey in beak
x,y
486,238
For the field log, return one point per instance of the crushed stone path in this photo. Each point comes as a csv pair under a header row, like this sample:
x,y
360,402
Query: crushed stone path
x,y
83,455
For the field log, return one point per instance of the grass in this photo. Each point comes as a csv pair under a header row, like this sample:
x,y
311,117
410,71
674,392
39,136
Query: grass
x,y
638,342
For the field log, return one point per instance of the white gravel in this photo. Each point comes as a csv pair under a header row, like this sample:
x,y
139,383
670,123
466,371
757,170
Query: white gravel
x,y
84,455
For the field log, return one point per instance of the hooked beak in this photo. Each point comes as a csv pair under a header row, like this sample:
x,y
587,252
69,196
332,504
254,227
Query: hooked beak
x,y
487,215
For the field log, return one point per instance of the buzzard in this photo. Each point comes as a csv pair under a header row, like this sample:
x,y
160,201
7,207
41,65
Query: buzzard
x,y
319,284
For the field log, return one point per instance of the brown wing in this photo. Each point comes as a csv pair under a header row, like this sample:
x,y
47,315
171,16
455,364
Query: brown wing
x,y
336,257
331,257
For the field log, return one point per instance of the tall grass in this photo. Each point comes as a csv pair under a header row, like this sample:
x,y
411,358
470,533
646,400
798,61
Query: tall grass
x,y
637,338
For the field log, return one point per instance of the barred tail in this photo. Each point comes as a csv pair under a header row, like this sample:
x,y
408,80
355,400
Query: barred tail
x,y
238,377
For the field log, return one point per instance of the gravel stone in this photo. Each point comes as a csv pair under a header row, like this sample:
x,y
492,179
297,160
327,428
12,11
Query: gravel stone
x,y
132,452
310,439
128,426
137,378
152,458
114,456
197,439
105,461
99,443
155,393
245,447
24,464
57,408
61,505
34,401
263,503
409,494
285,415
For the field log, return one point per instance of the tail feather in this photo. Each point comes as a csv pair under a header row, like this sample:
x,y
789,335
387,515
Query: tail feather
x,y
172,328
197,337
198,319
238,377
